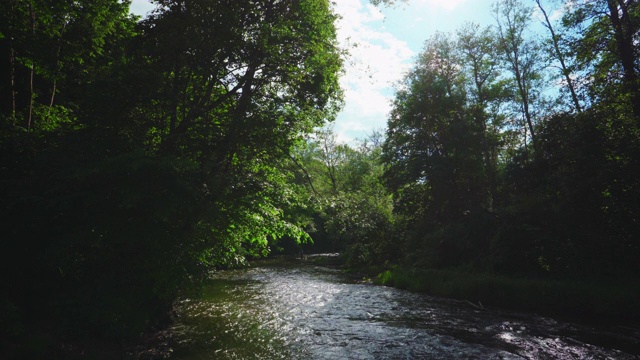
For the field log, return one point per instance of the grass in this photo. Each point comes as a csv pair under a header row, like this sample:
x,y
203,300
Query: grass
x,y
587,301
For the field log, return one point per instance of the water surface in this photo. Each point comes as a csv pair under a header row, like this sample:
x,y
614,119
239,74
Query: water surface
x,y
302,311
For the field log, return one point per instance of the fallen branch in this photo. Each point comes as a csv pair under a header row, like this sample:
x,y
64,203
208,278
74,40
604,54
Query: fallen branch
x,y
479,306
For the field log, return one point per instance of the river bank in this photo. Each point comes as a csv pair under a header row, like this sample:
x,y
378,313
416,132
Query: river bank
x,y
48,343
604,303
591,301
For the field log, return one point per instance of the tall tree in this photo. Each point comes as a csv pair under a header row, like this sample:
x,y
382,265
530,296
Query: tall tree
x,y
432,141
521,55
560,56
331,154
607,46
239,83
51,48
487,93
229,64
625,22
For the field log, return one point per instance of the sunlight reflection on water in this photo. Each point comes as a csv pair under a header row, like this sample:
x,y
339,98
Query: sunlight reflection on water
x,y
309,312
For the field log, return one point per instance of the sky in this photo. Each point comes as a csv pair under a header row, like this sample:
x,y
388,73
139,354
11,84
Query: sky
x,y
383,43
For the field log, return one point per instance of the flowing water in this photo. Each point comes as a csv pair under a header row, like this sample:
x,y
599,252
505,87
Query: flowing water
x,y
302,311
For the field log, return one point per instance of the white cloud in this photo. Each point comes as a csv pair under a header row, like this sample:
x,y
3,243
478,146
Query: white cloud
x,y
376,61
554,14
141,7
448,5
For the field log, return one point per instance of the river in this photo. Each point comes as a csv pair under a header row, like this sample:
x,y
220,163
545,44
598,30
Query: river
x,y
303,311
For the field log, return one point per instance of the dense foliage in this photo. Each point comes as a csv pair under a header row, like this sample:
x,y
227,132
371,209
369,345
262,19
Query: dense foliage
x,y
499,162
350,210
139,155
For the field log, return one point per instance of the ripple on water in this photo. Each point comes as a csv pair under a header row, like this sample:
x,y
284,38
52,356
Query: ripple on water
x,y
310,312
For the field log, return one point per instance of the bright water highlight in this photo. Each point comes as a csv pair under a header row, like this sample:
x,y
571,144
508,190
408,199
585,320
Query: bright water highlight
x,y
302,311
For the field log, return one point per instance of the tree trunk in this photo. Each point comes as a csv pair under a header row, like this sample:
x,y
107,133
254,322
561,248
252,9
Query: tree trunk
x,y
524,94
512,44
57,69
565,71
624,37
12,64
33,32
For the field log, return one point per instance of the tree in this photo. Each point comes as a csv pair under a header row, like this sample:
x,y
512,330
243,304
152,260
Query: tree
x,y
521,55
487,93
432,141
331,154
560,56
51,48
177,160
263,63
239,83
606,43
353,210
